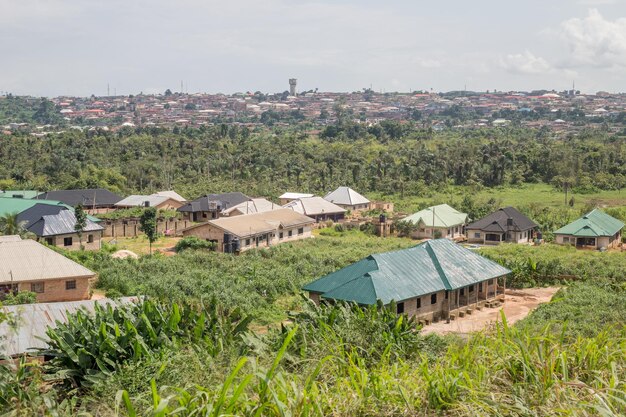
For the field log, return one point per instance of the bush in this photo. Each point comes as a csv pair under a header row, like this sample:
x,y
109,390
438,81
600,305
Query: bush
x,y
22,297
194,243
89,347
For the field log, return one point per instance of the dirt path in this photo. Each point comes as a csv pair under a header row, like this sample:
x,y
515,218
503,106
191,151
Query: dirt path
x,y
518,304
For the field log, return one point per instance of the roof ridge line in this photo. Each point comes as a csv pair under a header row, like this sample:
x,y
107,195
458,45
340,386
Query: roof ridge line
x,y
438,267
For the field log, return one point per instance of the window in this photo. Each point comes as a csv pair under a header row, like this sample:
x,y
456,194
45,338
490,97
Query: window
x,y
447,295
247,242
67,241
433,298
204,215
290,233
400,308
280,235
301,230
90,239
462,291
50,241
477,234
70,285
565,239
471,288
418,303
480,287
37,287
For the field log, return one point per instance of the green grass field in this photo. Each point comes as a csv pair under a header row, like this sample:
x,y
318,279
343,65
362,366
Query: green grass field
x,y
542,194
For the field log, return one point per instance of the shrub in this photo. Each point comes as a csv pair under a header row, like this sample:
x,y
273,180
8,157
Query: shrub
x,y
195,243
22,297
89,347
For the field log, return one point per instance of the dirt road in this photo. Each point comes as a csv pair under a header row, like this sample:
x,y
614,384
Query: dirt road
x,y
518,304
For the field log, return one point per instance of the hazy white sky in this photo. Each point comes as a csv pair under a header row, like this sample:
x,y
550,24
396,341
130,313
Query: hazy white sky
x,y
76,47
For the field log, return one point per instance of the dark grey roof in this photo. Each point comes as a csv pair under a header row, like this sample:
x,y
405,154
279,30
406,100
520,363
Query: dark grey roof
x,y
90,197
36,212
60,224
497,221
224,201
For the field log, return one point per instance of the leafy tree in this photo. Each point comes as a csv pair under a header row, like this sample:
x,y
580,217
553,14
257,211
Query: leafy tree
x,y
10,225
148,225
81,223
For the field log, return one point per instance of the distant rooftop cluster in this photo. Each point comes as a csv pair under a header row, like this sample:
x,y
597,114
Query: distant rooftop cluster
x,y
565,110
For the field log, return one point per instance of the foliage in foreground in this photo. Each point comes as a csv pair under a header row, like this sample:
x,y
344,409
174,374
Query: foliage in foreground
x,y
512,373
89,347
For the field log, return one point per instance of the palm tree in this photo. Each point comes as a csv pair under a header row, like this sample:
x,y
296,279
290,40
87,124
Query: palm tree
x,y
10,225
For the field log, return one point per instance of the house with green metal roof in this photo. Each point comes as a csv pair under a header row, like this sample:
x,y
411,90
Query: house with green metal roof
x,y
595,230
438,221
19,194
18,205
432,280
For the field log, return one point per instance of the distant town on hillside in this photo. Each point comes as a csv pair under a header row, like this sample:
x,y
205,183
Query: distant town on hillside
x,y
314,111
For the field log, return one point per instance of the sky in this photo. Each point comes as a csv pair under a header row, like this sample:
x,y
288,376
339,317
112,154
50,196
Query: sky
x,y
78,47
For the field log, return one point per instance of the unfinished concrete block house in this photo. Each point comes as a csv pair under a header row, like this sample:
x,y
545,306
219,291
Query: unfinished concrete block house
x,y
434,280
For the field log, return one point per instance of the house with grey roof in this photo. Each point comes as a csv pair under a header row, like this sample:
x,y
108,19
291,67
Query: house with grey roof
x,y
26,265
56,226
594,230
317,208
158,201
437,279
348,199
504,225
94,200
211,206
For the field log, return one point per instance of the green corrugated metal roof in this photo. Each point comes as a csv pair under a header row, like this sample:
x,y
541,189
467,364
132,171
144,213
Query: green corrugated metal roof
x,y
18,205
592,224
429,267
442,215
19,194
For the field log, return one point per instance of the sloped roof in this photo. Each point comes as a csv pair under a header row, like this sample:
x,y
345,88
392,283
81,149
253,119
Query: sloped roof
x,y
497,221
140,200
443,216
61,223
346,196
19,194
429,267
255,205
595,223
27,260
172,194
257,223
224,200
293,196
34,319
36,212
313,206
87,197
20,205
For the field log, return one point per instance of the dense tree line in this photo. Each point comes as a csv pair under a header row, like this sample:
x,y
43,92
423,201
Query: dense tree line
x,y
390,157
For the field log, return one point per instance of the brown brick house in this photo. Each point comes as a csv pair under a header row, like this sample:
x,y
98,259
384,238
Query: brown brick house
x,y
26,265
